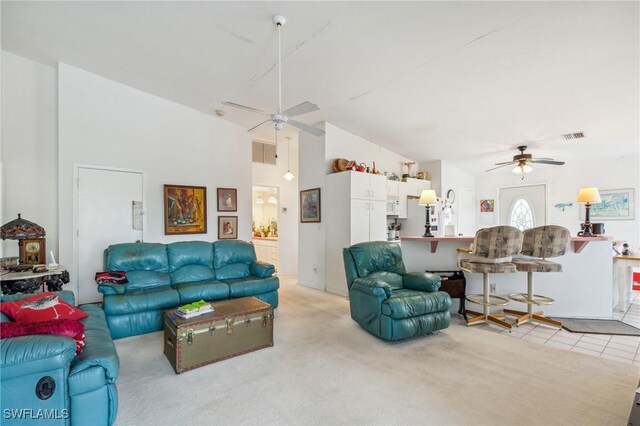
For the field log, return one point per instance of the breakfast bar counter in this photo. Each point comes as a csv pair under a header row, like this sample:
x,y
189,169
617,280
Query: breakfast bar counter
x,y
583,290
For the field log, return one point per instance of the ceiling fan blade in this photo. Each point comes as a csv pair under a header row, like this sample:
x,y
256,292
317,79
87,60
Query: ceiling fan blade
x,y
258,125
231,104
504,165
541,161
305,127
300,109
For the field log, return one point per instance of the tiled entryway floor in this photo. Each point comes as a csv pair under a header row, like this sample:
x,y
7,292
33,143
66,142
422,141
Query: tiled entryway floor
x,y
618,348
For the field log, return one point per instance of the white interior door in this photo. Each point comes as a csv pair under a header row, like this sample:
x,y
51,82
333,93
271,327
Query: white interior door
x,y
105,216
533,197
465,211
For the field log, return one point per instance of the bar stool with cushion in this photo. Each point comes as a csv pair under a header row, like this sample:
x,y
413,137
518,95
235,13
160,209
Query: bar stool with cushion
x,y
540,243
492,252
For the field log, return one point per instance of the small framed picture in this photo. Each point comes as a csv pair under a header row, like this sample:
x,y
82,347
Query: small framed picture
x,y
185,209
227,200
227,227
310,205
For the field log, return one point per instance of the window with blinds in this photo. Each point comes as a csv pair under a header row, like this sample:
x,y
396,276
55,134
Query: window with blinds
x,y
264,152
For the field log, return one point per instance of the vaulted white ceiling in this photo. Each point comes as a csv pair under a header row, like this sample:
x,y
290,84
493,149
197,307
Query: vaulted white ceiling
x,y
459,81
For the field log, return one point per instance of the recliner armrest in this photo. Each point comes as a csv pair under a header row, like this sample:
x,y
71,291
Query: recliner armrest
x,y
112,288
261,269
372,286
24,355
421,281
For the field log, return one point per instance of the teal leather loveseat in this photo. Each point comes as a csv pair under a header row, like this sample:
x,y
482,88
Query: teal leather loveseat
x,y
84,388
164,276
386,300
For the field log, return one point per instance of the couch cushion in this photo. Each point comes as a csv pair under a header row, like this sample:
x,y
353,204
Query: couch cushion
x,y
233,271
152,299
411,303
100,349
139,280
137,257
206,290
251,286
189,253
377,256
189,273
230,252
394,280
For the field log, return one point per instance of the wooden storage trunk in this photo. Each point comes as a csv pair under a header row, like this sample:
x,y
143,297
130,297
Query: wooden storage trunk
x,y
235,327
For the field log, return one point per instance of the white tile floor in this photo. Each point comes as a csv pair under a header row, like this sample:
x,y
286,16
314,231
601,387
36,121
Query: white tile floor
x,y
618,348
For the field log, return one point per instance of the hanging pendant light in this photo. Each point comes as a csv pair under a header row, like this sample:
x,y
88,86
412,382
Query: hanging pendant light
x,y
288,175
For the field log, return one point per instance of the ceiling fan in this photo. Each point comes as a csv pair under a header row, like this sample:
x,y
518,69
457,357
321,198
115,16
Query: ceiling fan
x,y
281,118
523,160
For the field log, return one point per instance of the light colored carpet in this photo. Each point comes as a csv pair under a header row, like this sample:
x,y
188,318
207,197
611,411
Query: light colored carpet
x,y
325,369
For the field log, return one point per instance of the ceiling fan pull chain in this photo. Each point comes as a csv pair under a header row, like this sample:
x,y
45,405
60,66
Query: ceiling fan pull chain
x,y
279,70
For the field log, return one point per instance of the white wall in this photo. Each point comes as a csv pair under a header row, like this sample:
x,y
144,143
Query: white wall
x,y
270,175
311,239
29,147
105,123
563,184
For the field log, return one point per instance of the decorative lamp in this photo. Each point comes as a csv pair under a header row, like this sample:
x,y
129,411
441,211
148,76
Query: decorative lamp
x,y
19,229
427,199
588,196
288,175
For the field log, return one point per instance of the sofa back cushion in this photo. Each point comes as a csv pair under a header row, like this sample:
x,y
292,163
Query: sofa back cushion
x,y
190,261
377,256
231,259
146,264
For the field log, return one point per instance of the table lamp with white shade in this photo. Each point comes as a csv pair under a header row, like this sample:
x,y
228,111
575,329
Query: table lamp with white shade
x,y
588,196
428,198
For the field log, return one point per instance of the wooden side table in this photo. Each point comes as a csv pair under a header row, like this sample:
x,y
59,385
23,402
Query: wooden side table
x,y
32,282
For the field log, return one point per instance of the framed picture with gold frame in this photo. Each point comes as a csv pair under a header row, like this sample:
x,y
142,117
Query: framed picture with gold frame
x,y
185,209
33,251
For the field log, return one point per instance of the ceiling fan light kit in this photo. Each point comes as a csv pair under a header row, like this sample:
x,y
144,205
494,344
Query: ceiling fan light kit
x,y
522,162
281,118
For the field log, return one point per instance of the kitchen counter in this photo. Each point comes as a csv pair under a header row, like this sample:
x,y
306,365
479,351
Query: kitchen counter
x,y
583,290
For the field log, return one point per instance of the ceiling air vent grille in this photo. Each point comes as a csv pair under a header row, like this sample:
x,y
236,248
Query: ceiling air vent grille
x,y
571,136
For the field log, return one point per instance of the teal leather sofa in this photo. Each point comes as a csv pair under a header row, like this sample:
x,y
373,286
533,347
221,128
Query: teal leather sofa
x,y
85,385
164,276
386,300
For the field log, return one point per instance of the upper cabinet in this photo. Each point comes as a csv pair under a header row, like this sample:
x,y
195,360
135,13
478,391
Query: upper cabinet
x,y
366,186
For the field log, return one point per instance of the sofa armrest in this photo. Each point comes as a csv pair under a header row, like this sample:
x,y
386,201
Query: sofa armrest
x,y
261,269
421,281
25,355
372,287
112,288
99,349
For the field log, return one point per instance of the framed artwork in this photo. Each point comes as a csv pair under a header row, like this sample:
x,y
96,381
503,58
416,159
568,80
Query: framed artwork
x,y
227,200
310,205
32,251
185,209
227,227
617,204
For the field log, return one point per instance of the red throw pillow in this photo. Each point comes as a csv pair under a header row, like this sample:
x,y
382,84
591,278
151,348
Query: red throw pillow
x,y
41,307
63,327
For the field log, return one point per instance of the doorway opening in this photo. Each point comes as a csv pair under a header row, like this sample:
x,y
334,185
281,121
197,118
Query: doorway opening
x,y
265,201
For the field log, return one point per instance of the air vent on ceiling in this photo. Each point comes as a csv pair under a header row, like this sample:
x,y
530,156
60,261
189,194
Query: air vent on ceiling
x,y
571,136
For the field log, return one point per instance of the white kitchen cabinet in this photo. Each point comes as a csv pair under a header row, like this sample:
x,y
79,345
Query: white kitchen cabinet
x,y
354,211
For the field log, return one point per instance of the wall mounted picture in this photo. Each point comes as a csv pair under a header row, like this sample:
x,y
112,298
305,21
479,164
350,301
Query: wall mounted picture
x,y
310,205
227,200
227,227
185,209
617,204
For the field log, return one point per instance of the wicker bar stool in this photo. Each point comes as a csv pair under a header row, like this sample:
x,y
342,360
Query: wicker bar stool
x,y
492,252
540,243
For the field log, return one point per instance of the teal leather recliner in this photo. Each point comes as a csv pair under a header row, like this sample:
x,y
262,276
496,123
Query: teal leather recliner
x,y
44,382
386,300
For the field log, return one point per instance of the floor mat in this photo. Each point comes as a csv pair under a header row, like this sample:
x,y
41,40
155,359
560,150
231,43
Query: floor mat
x,y
598,326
